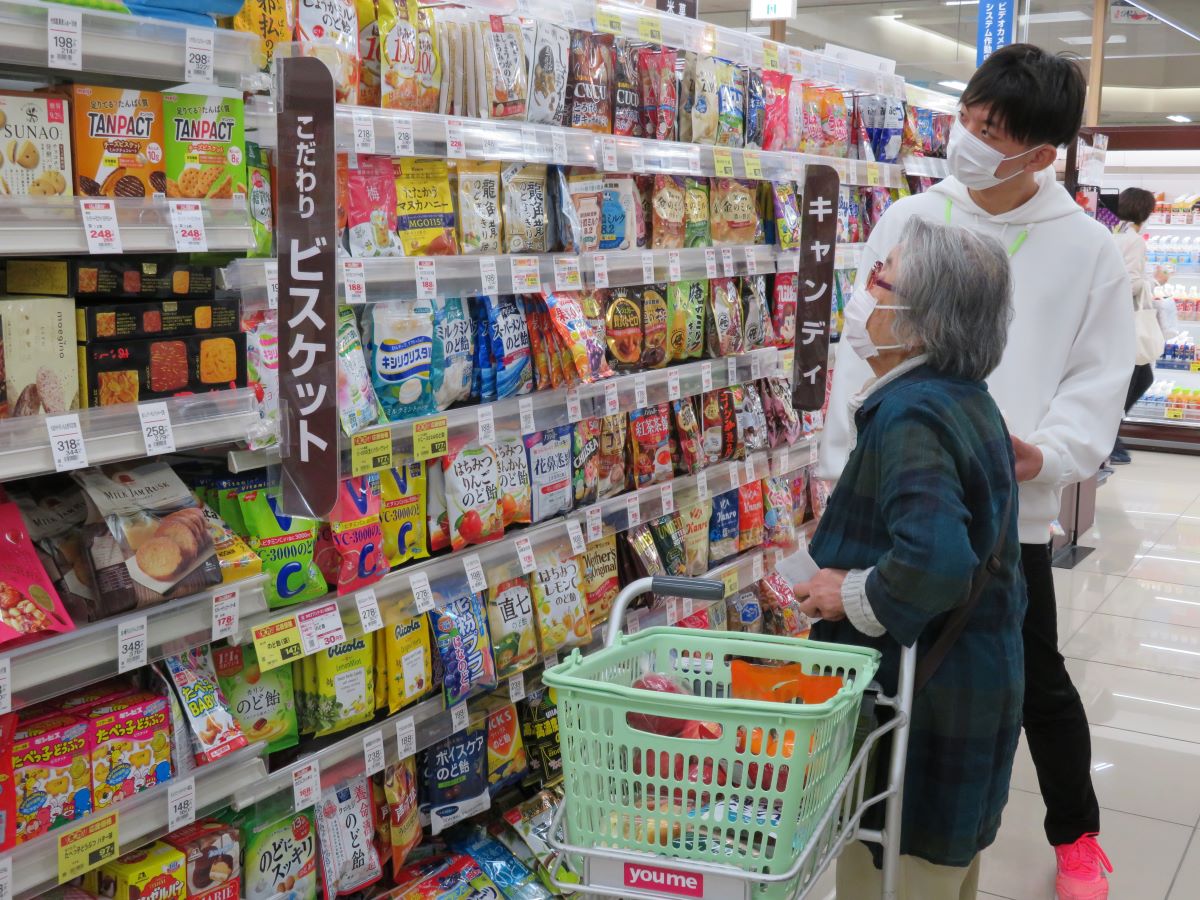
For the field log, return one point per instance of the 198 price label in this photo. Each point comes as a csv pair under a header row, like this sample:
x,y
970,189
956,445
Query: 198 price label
x,y
64,28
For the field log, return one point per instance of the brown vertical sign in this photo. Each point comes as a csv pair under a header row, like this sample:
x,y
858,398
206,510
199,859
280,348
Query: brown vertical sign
x,y
307,242
814,289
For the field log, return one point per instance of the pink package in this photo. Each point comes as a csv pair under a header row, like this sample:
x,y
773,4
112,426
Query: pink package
x,y
28,602
776,130
131,750
349,550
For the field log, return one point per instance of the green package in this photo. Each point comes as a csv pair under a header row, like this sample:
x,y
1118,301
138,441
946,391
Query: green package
x,y
263,703
258,195
696,230
285,545
279,854
686,302
205,146
345,685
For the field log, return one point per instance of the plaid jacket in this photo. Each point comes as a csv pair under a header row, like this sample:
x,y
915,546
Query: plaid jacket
x,y
921,500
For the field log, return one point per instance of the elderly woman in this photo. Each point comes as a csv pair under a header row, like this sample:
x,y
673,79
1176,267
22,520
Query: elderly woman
x,y
926,501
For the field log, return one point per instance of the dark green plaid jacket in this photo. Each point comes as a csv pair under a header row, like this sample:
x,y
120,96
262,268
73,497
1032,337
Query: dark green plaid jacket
x,y
921,499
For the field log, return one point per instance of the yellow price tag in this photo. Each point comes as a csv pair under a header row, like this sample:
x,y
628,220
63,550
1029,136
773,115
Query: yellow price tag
x,y
87,846
650,30
371,451
1175,414
731,582
873,174
277,643
770,55
753,163
608,21
431,438
709,39
723,162
1196,366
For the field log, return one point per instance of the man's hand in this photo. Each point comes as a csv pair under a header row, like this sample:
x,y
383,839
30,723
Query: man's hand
x,y
1029,459
821,598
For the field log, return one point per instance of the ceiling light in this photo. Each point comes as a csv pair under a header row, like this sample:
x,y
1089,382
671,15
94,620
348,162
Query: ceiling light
x,y
954,85
1179,118
1081,39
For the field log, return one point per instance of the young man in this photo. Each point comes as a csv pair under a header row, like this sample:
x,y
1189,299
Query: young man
x,y
1060,384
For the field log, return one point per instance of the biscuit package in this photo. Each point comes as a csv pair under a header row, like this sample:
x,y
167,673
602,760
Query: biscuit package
x,y
205,151
156,368
131,745
215,732
402,513
285,544
263,703
38,368
156,871
601,578
511,622
328,30
35,138
118,139
411,57
29,603
213,859
52,766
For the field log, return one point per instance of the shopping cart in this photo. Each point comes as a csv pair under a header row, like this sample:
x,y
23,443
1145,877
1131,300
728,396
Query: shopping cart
x,y
738,810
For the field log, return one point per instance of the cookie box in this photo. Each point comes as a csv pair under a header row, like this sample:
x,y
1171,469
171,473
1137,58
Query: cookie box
x,y
131,371
38,370
205,146
118,140
79,702
8,786
213,861
98,321
35,140
131,746
112,277
53,774
155,872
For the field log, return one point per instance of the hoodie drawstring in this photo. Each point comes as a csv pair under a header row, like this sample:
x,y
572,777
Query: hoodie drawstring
x,y
1013,248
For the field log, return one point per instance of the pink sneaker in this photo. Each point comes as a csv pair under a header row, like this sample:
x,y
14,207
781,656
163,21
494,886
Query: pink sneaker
x,y
1079,870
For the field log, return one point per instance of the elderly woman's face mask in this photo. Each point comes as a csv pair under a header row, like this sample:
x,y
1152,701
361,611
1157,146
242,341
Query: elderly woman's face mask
x,y
858,312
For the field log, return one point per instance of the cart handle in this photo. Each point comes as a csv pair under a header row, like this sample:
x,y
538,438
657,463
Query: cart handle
x,y
668,585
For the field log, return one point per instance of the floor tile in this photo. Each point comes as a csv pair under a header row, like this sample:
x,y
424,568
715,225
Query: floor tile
x,y
1145,854
1159,601
1114,556
1174,495
1137,644
1187,879
1166,566
1181,538
1083,590
1136,700
1069,623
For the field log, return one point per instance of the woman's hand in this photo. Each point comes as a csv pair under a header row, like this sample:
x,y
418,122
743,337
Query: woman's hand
x,y
821,598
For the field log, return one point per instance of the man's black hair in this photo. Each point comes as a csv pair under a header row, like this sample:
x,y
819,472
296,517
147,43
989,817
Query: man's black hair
x,y
1135,205
1036,97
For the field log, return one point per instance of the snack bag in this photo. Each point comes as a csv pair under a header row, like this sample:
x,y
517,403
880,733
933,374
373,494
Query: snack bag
x,y
454,775
371,209
358,407
590,82
735,218
424,207
262,374
452,351
479,220
835,123
585,465
562,613
610,460
755,110
783,615
686,305
285,545
259,196
473,496
237,560
548,79
668,532
751,420
410,56
507,762
723,322
461,633
349,549
511,623
585,350
601,579
263,703
328,29
778,519
402,513
277,851
723,529
619,214
345,694
718,418
787,215
777,87
750,515
695,538
503,59
215,732
29,604
669,211
346,828
515,497
756,318
435,506
407,646
783,309
509,346
400,344
551,482
688,448
526,206
626,102
400,791
368,47
271,21
650,445
696,229
731,102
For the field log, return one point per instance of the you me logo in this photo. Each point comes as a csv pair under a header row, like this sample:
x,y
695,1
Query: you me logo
x,y
669,881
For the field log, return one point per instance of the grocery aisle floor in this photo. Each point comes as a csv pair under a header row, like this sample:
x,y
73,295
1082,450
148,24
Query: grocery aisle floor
x,y
1129,625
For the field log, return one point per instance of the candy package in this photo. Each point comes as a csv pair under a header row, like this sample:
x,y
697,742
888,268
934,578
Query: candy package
x,y
695,537
509,334
585,465
686,305
399,336
668,535
813,138
407,646
410,56
696,229
782,609
461,633
835,123
550,476
718,419
688,446
472,496
263,703
778,521
750,515
668,205
285,544
783,309
479,213
752,419
371,209
215,732
723,529
515,497
734,206
590,82
650,446
581,219
526,206
349,549
755,108
705,102
562,613
262,374
503,61
404,822
548,80
654,326
453,348
601,578
744,612
358,406
435,506
424,207
566,316
345,685
454,777
731,101
660,92
368,45
787,215
513,877
783,422
800,507
723,322
328,30
346,829
623,328
511,622
756,317
776,125
620,211
610,460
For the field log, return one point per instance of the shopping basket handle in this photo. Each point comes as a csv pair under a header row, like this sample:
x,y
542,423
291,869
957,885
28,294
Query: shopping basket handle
x,y
666,585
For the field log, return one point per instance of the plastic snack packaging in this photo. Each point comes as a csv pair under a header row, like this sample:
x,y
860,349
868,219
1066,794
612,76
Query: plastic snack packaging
x,y
551,483
787,215
744,612
237,560
368,48
400,790
750,515
778,520
277,852
731,101
407,648
626,102
706,101
718,418
783,422
538,350
570,324
777,87
400,342
358,407
668,535
402,513
346,828
623,328
507,762
601,579
735,218
619,214
688,449
526,205
669,207
410,56
562,613
548,80
581,219
835,123
504,67
263,703
755,111
132,735
271,21
590,82
783,309
345,694
215,732
472,496
479,225
511,876
723,530
424,207
58,746
461,633
435,506
285,544
611,458
515,497
509,344
650,445
756,329
328,29
259,196
371,209
654,326
349,548
686,303
454,776
262,374
29,604
585,465
695,537
511,622
453,348
783,615
723,322
697,232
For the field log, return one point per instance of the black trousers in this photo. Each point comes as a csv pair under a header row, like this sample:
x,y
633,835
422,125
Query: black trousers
x,y
1143,377
1056,725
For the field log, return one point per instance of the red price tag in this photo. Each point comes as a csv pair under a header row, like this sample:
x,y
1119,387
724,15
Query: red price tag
x,y
187,226
100,226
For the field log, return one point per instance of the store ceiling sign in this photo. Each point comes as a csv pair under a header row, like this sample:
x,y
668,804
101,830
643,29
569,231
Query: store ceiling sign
x,y
307,243
1122,13
818,237
772,9
997,27
689,9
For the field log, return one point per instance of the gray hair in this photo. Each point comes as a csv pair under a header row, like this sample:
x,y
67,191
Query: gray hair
x,y
957,286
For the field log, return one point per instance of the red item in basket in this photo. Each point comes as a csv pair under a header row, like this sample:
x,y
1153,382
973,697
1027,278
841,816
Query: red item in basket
x,y
657,724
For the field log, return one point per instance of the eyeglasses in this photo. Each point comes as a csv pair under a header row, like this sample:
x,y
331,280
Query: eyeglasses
x,y
873,278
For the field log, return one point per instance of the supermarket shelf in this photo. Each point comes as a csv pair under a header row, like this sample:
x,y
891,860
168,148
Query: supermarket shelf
x,y
549,408
112,433
1173,226
128,46
928,166
501,139
1173,368
1147,415
391,278
65,662
142,818
34,226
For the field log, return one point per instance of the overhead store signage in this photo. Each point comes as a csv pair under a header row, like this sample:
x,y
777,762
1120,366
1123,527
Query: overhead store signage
x,y
772,9
687,8
818,237
307,242
997,27
1123,13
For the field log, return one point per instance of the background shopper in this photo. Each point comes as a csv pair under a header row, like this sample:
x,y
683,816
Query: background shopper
x,y
1059,384
926,498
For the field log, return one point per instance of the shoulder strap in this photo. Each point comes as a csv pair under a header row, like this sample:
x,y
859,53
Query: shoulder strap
x,y
933,657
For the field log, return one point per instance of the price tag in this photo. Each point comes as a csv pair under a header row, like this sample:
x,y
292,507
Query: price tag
x,y
406,738
368,610
402,136
731,370
751,261
364,132
687,607
649,29
731,582
755,367
431,438
181,802
1175,414
702,485
727,268
526,276
5,688
306,785
426,278
566,274
595,523
373,758
600,269
674,270
525,409
516,687
770,55
751,474
1195,366
456,145
277,642
756,568
668,498
64,38
558,147
476,580
640,400
487,426
608,153
673,391
633,510
647,268
612,402
723,162
88,846
672,610
225,612
271,276
100,226
574,408
706,382
694,161
734,476
638,155
418,583
491,145
575,536
873,179
525,554
354,281
187,226
550,660
370,451
460,717
633,621
608,22
198,62
320,628
753,164
131,644
6,878
783,461
489,280
788,262
157,434
710,262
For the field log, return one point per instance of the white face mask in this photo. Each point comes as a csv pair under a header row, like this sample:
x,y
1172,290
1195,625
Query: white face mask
x,y
973,162
858,311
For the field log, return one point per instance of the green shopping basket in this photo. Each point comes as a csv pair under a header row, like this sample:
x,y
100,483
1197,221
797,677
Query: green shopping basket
x,y
746,790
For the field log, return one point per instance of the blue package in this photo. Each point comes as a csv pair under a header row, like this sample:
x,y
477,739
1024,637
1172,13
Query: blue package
x,y
483,376
460,632
453,347
454,778
615,224
723,528
510,347
184,16
756,108
511,875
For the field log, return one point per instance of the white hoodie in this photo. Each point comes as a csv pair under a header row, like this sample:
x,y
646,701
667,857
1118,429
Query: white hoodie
x,y
1062,382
